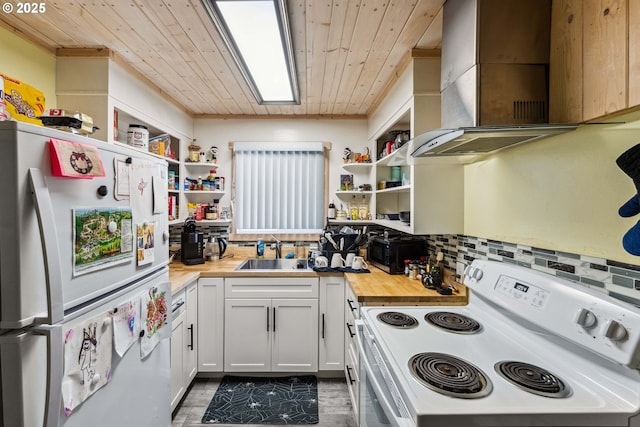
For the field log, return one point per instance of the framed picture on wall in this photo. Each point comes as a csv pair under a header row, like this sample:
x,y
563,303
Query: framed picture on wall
x,y
346,182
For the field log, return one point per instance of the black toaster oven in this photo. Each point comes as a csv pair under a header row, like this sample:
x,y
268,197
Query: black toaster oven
x,y
389,254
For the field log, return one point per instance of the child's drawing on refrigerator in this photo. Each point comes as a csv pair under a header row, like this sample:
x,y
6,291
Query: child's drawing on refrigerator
x,y
88,345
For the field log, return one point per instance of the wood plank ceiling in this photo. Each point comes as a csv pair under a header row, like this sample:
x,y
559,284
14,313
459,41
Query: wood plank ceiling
x,y
348,52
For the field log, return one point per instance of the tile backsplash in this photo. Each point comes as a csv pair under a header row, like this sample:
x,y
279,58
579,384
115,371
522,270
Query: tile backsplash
x,y
620,280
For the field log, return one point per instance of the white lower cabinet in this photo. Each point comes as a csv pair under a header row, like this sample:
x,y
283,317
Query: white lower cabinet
x,y
184,360
271,334
210,324
331,324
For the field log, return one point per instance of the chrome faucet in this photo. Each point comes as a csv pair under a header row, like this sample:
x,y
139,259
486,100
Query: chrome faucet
x,y
277,246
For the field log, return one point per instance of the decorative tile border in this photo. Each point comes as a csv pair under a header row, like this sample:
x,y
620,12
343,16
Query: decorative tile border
x,y
620,280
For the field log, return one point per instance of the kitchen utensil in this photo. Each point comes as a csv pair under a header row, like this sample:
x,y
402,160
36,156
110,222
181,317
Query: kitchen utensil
x,y
322,261
359,263
360,240
330,239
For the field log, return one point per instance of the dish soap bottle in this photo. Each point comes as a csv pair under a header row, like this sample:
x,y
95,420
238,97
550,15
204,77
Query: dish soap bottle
x,y
260,249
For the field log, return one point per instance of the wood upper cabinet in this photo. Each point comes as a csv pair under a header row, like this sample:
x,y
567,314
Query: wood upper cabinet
x,y
594,63
634,53
605,57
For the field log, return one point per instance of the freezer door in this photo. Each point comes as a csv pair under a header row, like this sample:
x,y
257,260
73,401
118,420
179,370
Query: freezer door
x,y
48,228
32,368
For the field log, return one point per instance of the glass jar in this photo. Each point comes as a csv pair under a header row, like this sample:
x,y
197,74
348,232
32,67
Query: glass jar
x,y
194,153
413,270
209,214
215,209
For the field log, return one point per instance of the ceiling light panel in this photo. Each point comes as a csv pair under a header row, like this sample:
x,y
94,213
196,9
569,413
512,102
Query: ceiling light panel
x,y
257,34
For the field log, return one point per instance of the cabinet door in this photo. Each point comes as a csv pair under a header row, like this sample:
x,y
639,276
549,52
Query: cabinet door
x,y
295,335
210,324
177,359
247,335
331,324
190,367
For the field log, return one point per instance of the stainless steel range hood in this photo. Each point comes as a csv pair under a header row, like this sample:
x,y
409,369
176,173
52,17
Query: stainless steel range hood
x,y
482,139
494,78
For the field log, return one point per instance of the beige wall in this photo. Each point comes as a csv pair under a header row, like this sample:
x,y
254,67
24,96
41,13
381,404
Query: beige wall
x,y
27,62
560,193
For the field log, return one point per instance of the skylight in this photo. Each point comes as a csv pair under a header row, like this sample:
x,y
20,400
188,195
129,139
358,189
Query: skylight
x,y
257,35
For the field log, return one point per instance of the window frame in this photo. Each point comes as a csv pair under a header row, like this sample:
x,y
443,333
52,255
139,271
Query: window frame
x,y
289,237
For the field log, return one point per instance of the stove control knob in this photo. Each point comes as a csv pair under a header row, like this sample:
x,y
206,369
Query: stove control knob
x,y
476,274
615,331
467,271
586,318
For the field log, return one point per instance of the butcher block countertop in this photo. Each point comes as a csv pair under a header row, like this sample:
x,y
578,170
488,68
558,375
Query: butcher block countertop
x,y
375,288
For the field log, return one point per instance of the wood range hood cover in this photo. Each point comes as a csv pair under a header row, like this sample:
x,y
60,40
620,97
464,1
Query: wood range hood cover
x,y
494,78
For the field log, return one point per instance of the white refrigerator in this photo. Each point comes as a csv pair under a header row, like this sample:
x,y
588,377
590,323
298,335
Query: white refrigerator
x,y
83,231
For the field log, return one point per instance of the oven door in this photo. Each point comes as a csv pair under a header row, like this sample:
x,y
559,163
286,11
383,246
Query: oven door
x,y
380,401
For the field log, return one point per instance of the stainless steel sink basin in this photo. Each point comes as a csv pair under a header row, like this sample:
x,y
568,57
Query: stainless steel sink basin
x,y
273,264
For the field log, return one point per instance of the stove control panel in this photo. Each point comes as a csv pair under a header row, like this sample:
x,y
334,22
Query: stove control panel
x,y
572,311
523,292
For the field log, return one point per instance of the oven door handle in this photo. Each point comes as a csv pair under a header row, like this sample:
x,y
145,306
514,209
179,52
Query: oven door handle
x,y
394,419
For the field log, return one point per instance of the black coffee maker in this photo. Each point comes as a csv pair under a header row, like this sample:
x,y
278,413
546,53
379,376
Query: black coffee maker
x,y
192,244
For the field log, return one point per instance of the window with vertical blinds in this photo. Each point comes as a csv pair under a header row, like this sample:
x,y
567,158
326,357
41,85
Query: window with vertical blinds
x,y
279,187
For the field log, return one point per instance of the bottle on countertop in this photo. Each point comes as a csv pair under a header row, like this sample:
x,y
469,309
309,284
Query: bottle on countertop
x,y
260,249
331,212
437,272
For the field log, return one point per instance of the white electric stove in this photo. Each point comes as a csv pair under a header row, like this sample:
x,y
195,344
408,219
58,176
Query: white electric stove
x,y
530,349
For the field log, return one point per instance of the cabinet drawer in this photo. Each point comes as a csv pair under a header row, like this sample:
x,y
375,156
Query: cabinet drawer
x,y
271,287
352,305
178,304
351,345
352,375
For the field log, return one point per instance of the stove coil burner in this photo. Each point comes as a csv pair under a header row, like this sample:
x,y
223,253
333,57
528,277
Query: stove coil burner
x,y
450,375
399,320
453,322
532,378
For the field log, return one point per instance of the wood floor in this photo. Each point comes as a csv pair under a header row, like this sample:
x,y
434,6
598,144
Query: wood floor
x,y
334,404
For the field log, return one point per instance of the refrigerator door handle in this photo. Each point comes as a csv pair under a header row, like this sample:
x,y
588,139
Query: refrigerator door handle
x,y
16,350
55,372
50,247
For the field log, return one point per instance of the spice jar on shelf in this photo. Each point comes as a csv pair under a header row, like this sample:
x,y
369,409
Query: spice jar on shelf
x,y
194,153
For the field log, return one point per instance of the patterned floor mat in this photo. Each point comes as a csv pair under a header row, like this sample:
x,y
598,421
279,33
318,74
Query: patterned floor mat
x,y
258,400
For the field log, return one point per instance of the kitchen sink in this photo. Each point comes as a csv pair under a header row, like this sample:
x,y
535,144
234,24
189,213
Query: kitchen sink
x,y
273,264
